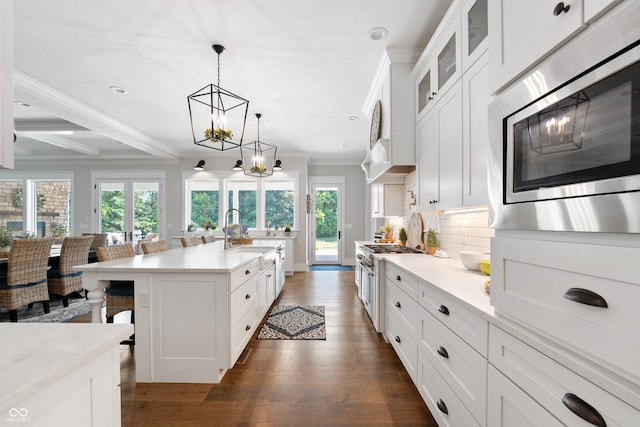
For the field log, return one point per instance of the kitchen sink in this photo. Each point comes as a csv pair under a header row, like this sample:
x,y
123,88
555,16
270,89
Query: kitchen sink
x,y
266,257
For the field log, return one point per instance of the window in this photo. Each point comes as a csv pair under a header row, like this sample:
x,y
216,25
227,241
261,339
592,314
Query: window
x,y
279,200
242,195
36,207
203,201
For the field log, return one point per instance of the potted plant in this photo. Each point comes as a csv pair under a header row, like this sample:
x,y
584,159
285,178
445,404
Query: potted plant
x,y
209,226
388,230
402,236
191,227
6,238
59,232
432,242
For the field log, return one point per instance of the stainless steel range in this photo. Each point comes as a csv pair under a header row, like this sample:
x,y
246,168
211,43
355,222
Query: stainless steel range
x,y
369,274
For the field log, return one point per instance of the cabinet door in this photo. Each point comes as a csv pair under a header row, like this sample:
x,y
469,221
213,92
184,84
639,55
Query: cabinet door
x,y
426,92
523,32
508,406
593,9
475,27
427,161
448,64
448,121
475,129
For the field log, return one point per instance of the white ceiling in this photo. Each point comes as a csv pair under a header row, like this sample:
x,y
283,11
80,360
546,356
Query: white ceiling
x,y
305,65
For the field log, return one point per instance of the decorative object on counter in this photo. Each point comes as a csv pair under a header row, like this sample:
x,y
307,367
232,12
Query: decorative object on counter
x,y
199,166
300,322
258,157
415,232
235,231
287,229
388,229
191,227
485,267
441,254
432,241
471,259
215,111
402,236
209,225
487,286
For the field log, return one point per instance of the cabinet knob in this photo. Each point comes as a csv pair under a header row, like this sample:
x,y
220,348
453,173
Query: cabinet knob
x,y
398,278
444,310
247,272
585,296
397,339
443,352
583,410
247,327
247,296
398,304
442,406
560,8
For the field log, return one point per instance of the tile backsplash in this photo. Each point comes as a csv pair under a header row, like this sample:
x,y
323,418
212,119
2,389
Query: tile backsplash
x,y
464,231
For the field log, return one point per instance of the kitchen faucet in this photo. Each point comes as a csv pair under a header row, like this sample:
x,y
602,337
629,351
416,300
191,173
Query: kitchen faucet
x,y
227,243
268,228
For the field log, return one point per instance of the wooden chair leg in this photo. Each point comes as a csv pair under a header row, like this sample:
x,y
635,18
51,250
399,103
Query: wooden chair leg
x,y
45,306
65,301
13,315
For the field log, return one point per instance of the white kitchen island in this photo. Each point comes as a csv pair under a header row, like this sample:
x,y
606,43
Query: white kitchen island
x,y
57,374
195,307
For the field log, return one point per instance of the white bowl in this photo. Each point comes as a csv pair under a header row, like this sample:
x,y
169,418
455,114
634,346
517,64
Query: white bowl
x,y
471,259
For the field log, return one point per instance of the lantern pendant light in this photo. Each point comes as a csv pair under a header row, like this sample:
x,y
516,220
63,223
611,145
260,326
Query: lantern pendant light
x,y
218,117
258,157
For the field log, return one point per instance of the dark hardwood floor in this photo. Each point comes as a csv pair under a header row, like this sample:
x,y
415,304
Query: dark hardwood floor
x,y
352,378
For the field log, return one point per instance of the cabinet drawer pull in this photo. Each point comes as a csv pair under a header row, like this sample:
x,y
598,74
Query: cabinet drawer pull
x,y
398,304
585,296
443,352
247,327
442,406
268,275
247,296
583,410
560,8
444,310
398,278
397,339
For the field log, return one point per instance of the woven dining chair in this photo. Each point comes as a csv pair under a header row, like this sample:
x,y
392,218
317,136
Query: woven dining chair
x,y
208,238
153,247
26,279
119,296
190,241
63,281
99,239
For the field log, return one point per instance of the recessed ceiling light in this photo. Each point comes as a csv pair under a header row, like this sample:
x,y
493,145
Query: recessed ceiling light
x,y
24,104
352,118
378,33
118,89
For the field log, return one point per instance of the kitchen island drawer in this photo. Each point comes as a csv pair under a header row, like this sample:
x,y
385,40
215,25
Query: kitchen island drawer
x,y
405,281
445,406
242,299
596,289
473,329
555,387
463,368
242,331
244,273
403,343
405,308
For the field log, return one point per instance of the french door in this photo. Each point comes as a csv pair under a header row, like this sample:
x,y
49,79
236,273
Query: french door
x,y
325,219
128,208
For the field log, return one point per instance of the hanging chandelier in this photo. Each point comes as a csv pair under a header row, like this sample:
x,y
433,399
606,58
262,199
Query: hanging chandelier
x,y
258,157
217,116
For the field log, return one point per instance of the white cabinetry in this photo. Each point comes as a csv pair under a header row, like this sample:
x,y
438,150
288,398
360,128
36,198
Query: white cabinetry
x,y
386,200
452,129
6,84
521,33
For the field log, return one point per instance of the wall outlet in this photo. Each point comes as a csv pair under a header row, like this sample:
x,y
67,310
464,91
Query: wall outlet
x,y
143,299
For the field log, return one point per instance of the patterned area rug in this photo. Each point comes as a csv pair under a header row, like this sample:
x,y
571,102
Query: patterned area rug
x,y
58,313
299,322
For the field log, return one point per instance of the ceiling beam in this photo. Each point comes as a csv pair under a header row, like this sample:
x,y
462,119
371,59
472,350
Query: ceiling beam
x,y
21,151
46,125
62,143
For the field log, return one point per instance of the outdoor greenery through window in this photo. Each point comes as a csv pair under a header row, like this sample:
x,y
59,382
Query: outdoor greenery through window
x,y
203,202
279,203
242,196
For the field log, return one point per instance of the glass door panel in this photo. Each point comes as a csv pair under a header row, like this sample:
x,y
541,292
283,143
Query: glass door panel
x,y
326,219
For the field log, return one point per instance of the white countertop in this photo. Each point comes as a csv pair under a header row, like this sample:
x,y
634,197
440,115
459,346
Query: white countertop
x,y
36,354
205,258
449,275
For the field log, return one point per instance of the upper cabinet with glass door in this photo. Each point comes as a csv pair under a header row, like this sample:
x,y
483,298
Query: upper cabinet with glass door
x,y
475,28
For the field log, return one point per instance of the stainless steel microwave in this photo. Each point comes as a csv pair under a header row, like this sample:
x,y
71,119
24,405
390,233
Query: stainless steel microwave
x,y
570,159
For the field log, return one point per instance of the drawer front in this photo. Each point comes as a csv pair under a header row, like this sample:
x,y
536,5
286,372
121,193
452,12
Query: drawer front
x,y
549,383
242,299
405,308
562,296
402,343
463,368
242,274
445,406
403,280
473,329
241,333
508,406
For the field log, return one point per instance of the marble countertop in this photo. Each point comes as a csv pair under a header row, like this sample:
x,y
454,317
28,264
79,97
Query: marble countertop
x,y
37,354
205,258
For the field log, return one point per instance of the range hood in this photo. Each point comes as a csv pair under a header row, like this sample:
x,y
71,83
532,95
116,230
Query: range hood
x,y
379,167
